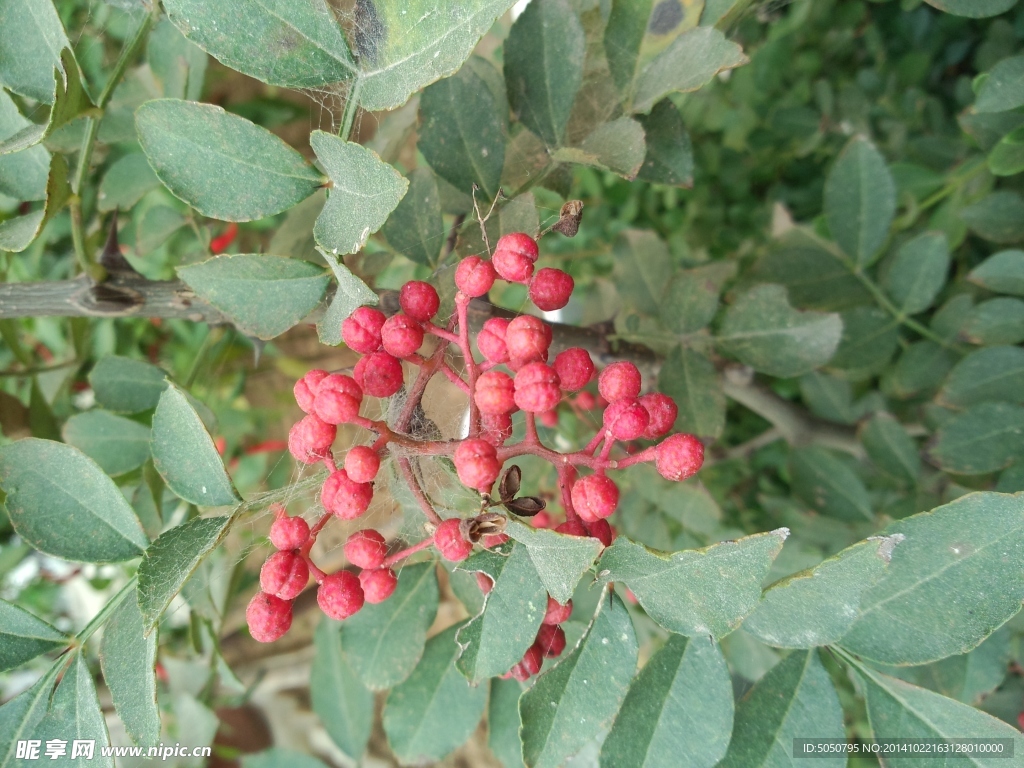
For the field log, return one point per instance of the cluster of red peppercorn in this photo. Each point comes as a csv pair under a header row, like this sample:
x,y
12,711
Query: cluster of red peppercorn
x,y
515,374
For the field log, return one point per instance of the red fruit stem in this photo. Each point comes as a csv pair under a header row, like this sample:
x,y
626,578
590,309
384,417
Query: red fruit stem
x,y
399,556
441,333
565,485
318,575
532,438
455,379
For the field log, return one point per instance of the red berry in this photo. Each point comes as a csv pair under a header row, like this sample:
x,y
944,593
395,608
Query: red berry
x,y
340,595
268,617
310,439
337,399
476,462
572,527
495,540
474,276
557,613
305,389
289,533
497,428
485,582
449,540
379,374
601,530
491,340
679,457
586,400
401,335
361,330
514,256
574,368
419,300
378,585
663,411
626,419
549,418
345,497
495,393
528,338
366,549
618,381
550,640
537,388
362,463
594,497
284,575
550,289
532,660
541,520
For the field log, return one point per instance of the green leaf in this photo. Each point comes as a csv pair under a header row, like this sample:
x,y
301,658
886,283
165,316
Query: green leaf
x,y
990,374
690,378
350,294
996,321
828,397
688,682
221,164
920,368
1002,88
364,191
763,331
975,9
74,714
544,56
971,548
818,606
616,146
559,560
986,438
18,233
31,40
890,447
20,716
918,272
276,757
435,710
503,722
415,228
178,64
23,636
171,559
384,642
999,217
464,126
1007,157
870,338
125,385
125,182
343,703
117,444
827,485
22,174
264,295
669,157
497,638
1001,272
642,269
128,658
156,226
571,703
60,502
696,592
900,710
860,200
184,453
794,699
691,298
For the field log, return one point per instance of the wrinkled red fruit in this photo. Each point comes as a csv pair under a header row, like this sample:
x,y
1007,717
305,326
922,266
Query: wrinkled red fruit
x,y
574,368
530,665
618,381
401,335
474,276
679,457
594,497
419,300
527,338
345,497
379,374
378,585
476,462
340,595
497,428
289,533
310,439
514,256
361,330
550,640
495,393
572,527
362,463
556,612
305,389
491,340
550,289
366,549
601,530
663,411
449,541
284,575
626,419
536,388
268,617
337,399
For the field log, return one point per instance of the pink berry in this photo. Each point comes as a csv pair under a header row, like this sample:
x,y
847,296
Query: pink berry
x,y
379,374
618,381
495,393
344,497
537,388
679,457
532,660
491,340
514,256
361,330
474,276
337,399
528,338
284,575
268,617
557,613
572,527
485,582
550,289
366,549
362,463
340,595
574,368
663,411
289,533
378,585
495,540
541,520
594,497
626,419
401,335
549,418
476,462
305,389
449,541
550,640
496,428
601,530
310,439
586,401
419,300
